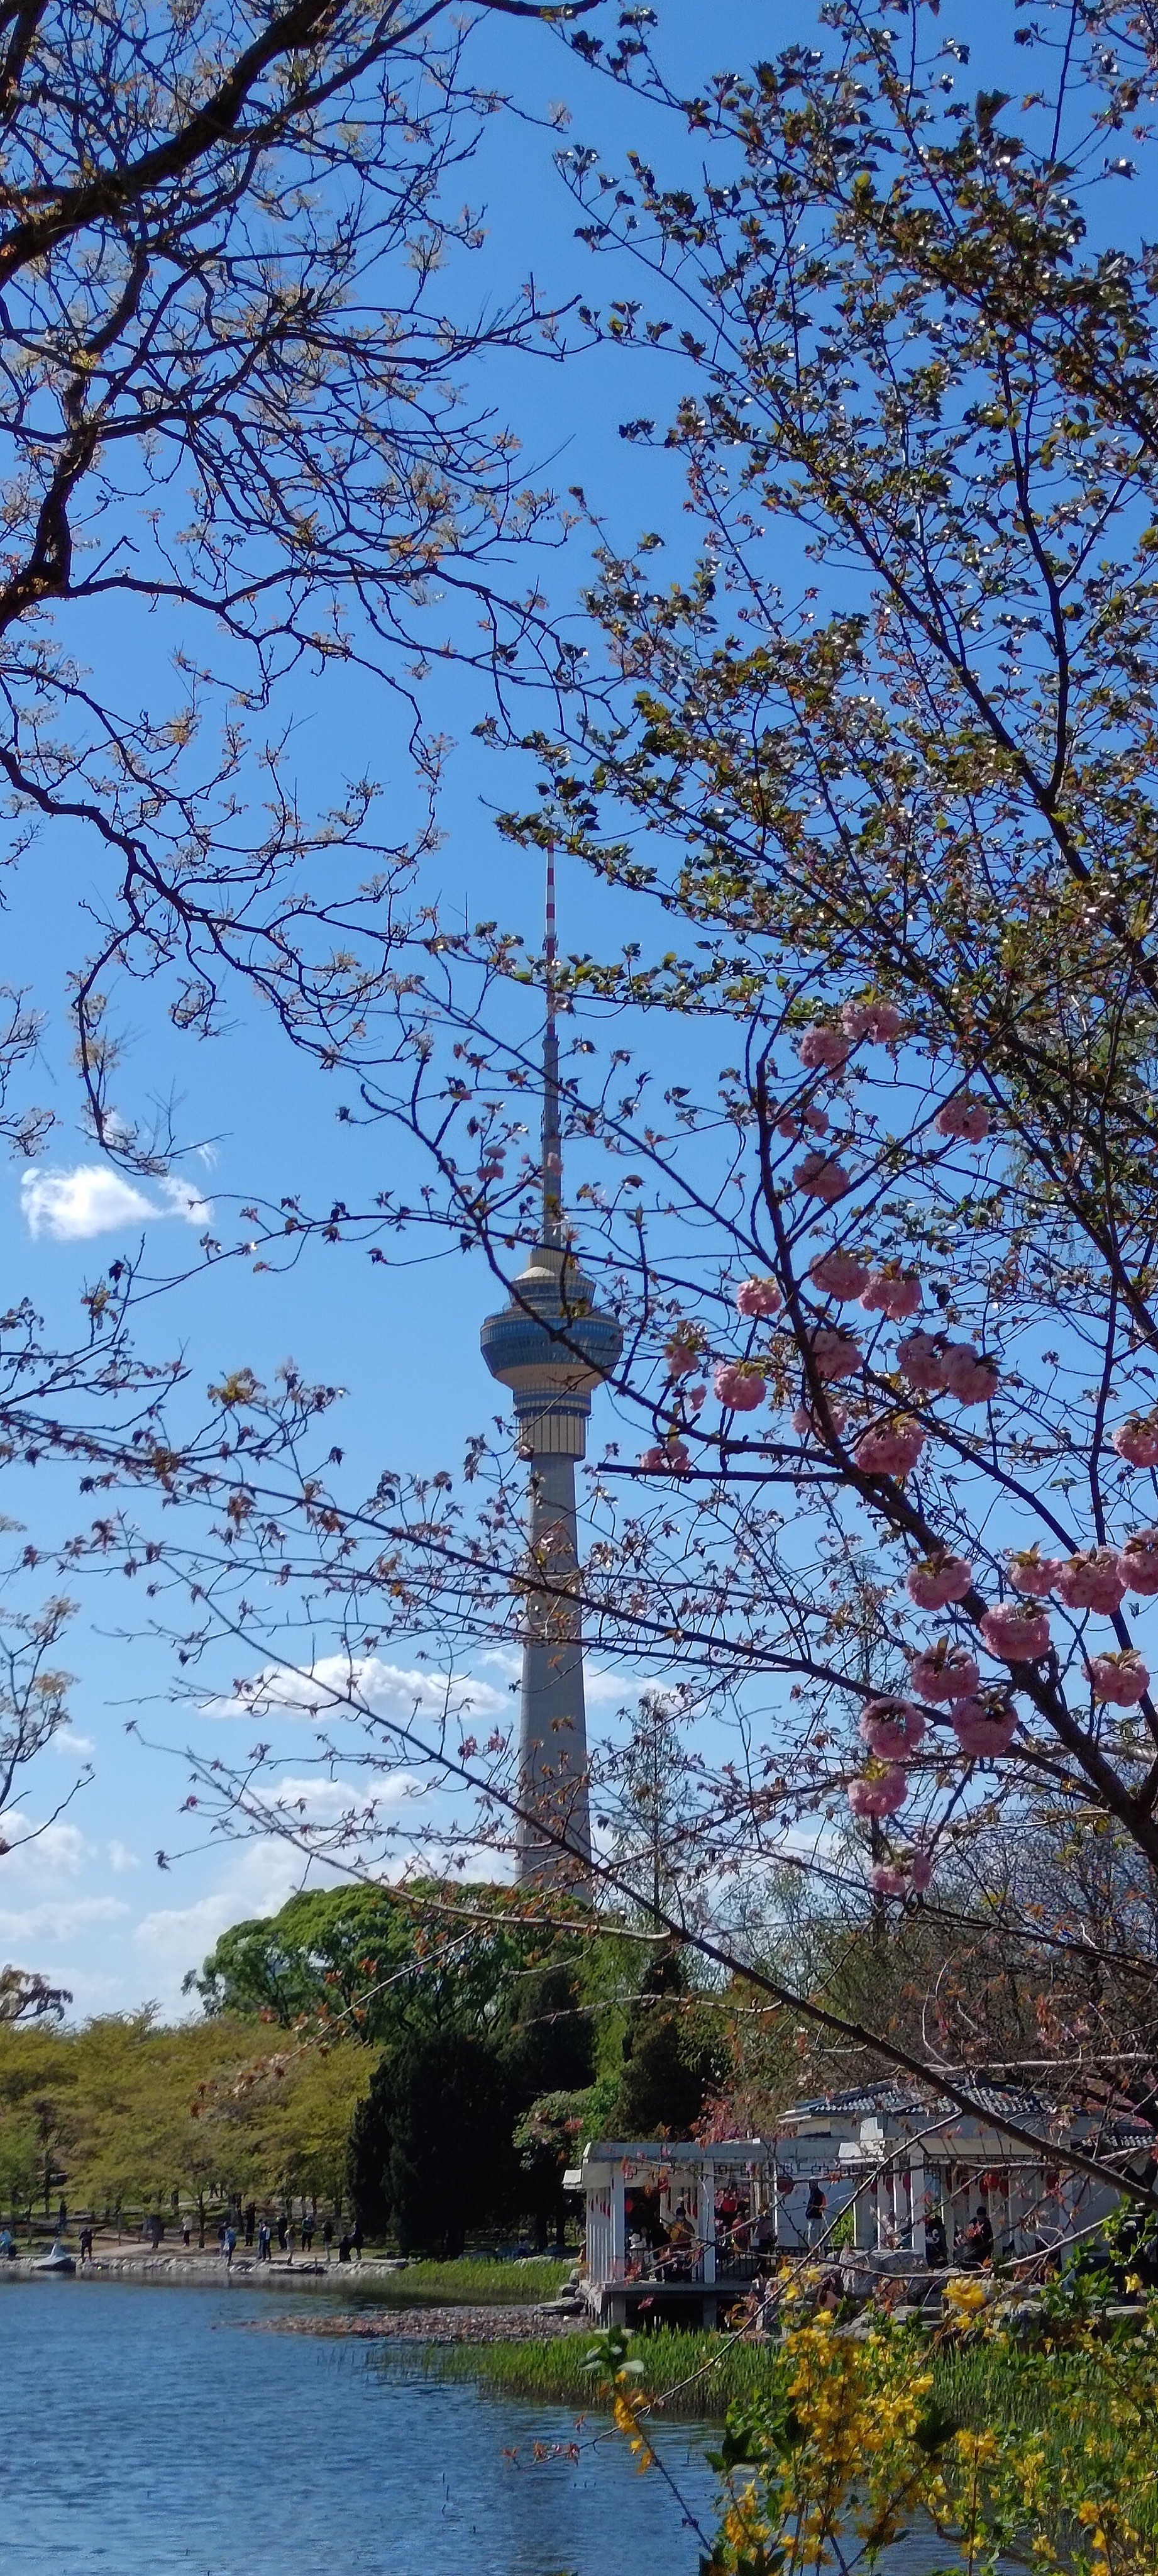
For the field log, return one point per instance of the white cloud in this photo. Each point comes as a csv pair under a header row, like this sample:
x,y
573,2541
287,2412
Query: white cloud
x,y
66,1740
55,1851
121,1858
267,1872
94,1198
323,1801
387,1690
57,1922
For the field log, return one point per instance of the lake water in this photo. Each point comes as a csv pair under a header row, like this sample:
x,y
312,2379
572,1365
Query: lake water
x,y
146,2431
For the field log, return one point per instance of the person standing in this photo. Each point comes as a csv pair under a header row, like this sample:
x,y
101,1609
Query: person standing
x,y
230,2243
86,2245
328,2236
289,2239
250,2220
307,2235
263,2242
186,2231
814,2213
281,2231
356,2239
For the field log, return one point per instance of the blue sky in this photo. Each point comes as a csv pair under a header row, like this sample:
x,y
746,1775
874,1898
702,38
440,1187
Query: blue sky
x,y
83,1900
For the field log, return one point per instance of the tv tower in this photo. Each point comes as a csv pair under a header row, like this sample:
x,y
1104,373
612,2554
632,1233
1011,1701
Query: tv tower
x,y
552,1347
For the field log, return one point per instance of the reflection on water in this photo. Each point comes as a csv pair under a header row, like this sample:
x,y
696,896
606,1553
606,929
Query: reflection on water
x,y
143,2434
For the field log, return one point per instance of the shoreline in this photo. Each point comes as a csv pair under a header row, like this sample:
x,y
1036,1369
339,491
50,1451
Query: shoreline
x,y
209,2271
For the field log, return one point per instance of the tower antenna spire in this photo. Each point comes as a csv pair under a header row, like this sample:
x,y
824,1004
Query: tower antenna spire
x,y
552,1119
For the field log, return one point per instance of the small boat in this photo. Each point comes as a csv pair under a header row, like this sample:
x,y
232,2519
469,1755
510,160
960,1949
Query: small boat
x,y
57,2259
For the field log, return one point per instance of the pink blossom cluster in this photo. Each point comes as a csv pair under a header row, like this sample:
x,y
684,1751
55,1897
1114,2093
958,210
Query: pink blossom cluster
x,y
939,1367
739,1386
890,1448
682,1356
1121,1680
891,1728
824,1049
938,1581
1018,1631
807,1423
671,1460
1138,1561
758,1298
878,1793
892,1292
814,1117
982,1731
880,1022
1136,1440
839,1274
822,1177
835,1353
895,1878
963,1117
944,1672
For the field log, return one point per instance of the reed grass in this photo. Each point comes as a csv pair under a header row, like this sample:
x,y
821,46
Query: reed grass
x,y
696,2375
473,2280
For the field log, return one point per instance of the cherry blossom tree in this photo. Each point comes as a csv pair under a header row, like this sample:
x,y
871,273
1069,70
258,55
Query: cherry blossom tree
x,y
861,1115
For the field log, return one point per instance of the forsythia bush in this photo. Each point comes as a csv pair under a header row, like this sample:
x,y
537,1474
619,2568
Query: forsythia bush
x,y
861,2446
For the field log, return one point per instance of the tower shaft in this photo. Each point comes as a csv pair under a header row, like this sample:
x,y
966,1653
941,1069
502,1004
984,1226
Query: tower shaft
x,y
552,1708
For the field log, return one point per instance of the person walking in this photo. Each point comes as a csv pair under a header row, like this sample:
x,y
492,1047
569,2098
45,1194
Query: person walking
x,y
281,2231
250,2220
186,2231
230,2244
289,2239
815,2212
86,2245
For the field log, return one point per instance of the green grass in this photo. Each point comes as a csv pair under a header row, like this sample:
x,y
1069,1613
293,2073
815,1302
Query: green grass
x,y
475,2280
554,2372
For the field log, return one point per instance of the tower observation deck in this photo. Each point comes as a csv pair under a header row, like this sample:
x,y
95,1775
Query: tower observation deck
x,y
551,1346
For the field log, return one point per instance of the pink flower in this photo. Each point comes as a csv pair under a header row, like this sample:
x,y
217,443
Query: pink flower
x,y
980,1731
938,1581
1092,1581
789,1128
888,1881
879,1795
823,1048
921,1359
671,1460
944,1672
738,1386
1034,1574
818,1120
838,1274
682,1357
758,1297
694,1396
880,1021
890,1449
891,1728
1139,1561
822,1177
963,1117
835,1353
806,1422
1136,1440
1120,1679
970,1375
921,1870
1017,1631
894,1293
